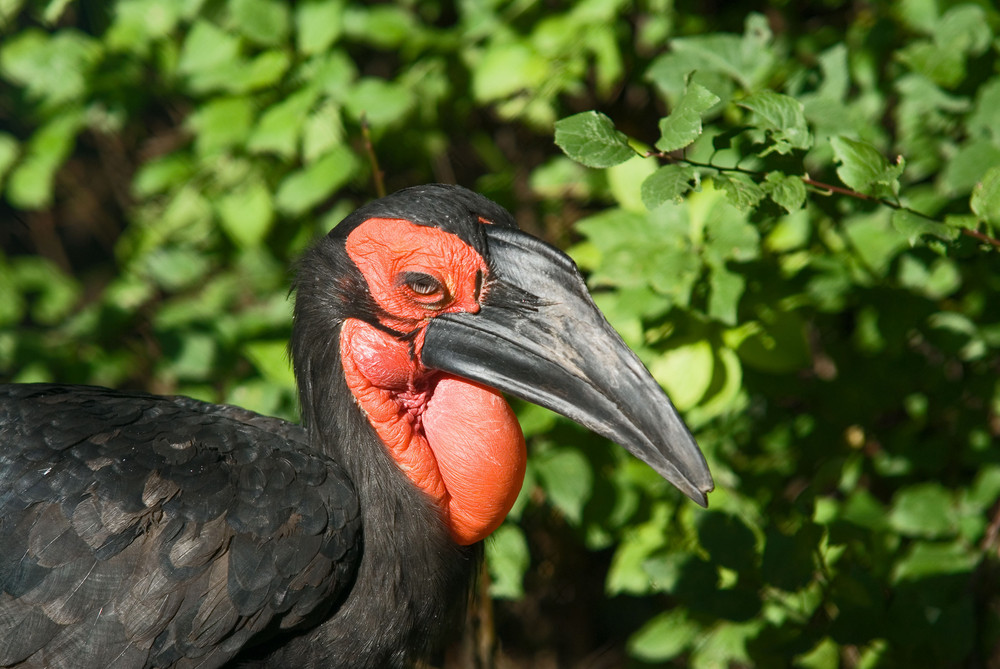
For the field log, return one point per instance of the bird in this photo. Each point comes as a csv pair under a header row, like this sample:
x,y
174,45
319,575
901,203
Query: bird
x,y
150,531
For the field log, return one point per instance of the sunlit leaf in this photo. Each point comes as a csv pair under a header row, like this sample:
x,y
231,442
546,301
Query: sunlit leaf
x,y
271,360
263,21
309,186
508,558
664,637
568,480
667,184
924,510
683,125
985,201
590,138
318,24
782,117
786,190
864,168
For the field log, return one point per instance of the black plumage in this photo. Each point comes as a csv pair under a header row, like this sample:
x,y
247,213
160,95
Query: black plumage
x,y
138,530
141,530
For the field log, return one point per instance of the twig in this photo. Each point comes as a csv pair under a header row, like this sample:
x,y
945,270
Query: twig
x,y
377,175
968,232
847,191
986,239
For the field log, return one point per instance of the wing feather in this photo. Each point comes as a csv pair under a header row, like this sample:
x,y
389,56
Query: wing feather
x,y
145,531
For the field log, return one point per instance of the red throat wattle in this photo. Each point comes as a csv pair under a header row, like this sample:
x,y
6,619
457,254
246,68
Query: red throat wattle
x,y
456,440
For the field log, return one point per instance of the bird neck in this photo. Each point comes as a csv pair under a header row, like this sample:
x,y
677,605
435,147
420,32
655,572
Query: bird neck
x,y
457,441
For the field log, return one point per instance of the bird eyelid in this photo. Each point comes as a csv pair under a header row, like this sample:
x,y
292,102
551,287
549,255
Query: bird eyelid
x,y
423,285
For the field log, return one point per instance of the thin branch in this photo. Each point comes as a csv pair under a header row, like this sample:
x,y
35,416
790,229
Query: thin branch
x,y
968,232
377,176
848,192
986,239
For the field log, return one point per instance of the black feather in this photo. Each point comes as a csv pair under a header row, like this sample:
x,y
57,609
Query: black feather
x,y
140,531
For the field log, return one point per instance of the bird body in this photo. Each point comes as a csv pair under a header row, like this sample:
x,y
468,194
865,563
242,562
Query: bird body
x,y
140,531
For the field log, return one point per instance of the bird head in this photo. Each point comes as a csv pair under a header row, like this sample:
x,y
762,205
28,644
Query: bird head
x,y
440,305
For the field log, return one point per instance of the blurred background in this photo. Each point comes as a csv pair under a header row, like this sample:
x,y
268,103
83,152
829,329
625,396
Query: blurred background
x,y
163,163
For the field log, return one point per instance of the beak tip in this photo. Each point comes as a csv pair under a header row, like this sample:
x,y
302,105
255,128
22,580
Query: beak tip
x,y
699,495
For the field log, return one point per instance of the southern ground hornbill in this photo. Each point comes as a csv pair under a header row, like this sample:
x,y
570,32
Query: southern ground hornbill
x,y
138,530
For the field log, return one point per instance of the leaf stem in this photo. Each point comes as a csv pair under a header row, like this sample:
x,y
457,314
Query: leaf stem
x,y
377,176
968,232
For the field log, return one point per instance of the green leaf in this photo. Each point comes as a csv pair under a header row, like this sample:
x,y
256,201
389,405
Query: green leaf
x,y
664,637
567,479
271,360
381,102
741,191
590,138
938,281
640,251
783,118
207,48
923,510
507,558
221,124
30,184
683,125
247,214
826,655
726,645
304,189
914,227
685,372
668,184
790,233
261,72
943,66
162,174
985,200
864,169
627,573
262,21
965,169
318,24
876,241
508,69
787,191
625,182
175,268
730,237
323,131
727,289
746,58
141,23
53,293
779,347
383,25
53,68
926,559
984,121
189,355
280,125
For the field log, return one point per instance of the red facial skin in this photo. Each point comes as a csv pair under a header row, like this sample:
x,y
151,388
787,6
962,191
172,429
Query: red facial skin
x,y
456,440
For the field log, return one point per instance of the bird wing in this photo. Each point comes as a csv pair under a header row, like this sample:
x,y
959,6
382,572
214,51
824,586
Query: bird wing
x,y
148,531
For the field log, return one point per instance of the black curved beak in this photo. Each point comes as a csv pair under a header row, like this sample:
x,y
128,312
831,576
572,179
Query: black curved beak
x,y
539,336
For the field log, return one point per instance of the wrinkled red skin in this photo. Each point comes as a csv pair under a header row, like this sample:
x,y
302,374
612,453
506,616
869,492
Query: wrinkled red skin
x,y
456,440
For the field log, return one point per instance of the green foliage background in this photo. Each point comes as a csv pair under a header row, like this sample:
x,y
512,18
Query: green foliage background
x,y
792,214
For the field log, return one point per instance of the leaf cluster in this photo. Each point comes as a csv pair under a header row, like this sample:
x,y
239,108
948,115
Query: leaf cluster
x,y
793,220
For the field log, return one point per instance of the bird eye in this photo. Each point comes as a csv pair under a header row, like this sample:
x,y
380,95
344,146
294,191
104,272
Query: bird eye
x,y
422,284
